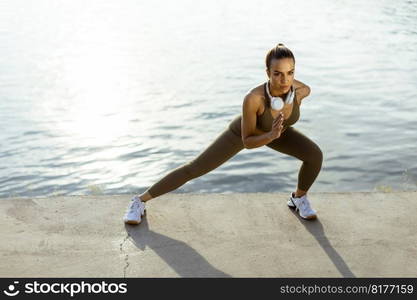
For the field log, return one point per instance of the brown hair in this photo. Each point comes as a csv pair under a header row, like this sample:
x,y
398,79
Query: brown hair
x,y
278,52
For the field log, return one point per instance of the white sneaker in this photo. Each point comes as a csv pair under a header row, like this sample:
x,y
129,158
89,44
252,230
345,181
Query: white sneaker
x,y
135,211
303,206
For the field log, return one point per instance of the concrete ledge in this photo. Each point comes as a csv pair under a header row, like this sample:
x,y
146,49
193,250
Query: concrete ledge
x,y
210,235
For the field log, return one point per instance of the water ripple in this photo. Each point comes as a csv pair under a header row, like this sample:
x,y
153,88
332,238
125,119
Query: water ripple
x,y
122,109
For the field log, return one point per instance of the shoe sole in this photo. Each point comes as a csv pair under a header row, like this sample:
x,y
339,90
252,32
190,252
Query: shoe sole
x,y
133,222
313,217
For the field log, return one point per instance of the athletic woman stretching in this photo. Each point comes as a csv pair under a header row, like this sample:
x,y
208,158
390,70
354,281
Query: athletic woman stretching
x,y
268,112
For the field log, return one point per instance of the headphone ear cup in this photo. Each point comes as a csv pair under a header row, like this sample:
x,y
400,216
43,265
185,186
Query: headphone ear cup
x,y
277,103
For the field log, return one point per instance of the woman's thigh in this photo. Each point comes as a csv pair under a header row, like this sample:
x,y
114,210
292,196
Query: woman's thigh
x,y
296,144
225,146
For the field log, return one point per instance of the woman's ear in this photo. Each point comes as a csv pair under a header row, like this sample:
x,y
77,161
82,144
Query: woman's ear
x,y
268,73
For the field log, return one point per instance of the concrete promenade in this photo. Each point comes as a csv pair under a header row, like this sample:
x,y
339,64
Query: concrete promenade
x,y
359,234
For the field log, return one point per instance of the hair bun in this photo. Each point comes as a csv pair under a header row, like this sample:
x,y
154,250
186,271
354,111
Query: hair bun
x,y
280,44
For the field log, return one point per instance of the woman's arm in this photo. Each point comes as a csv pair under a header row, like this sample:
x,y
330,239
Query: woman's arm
x,y
259,131
252,137
302,90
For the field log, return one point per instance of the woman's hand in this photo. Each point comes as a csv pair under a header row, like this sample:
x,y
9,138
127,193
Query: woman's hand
x,y
277,127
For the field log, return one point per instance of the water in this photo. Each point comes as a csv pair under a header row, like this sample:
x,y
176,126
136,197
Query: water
x,y
108,96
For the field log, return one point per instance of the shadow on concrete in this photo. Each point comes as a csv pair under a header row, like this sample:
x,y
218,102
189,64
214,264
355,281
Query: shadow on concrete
x,y
183,259
315,227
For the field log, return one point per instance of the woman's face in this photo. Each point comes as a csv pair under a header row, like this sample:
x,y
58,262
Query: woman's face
x,y
281,74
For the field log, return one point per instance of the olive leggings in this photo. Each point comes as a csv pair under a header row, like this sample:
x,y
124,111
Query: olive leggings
x,y
228,143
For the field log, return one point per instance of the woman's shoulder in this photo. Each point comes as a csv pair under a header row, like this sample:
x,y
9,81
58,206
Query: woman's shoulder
x,y
256,92
254,100
302,90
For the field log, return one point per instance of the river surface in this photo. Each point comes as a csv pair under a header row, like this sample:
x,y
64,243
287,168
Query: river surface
x,y
105,97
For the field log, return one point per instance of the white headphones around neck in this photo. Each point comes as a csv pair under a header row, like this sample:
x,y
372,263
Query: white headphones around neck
x,y
277,103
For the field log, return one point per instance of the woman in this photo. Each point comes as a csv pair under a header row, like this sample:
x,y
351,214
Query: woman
x,y
268,112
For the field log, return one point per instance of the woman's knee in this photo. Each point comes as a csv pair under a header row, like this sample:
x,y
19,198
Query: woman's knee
x,y
315,156
192,170
319,154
